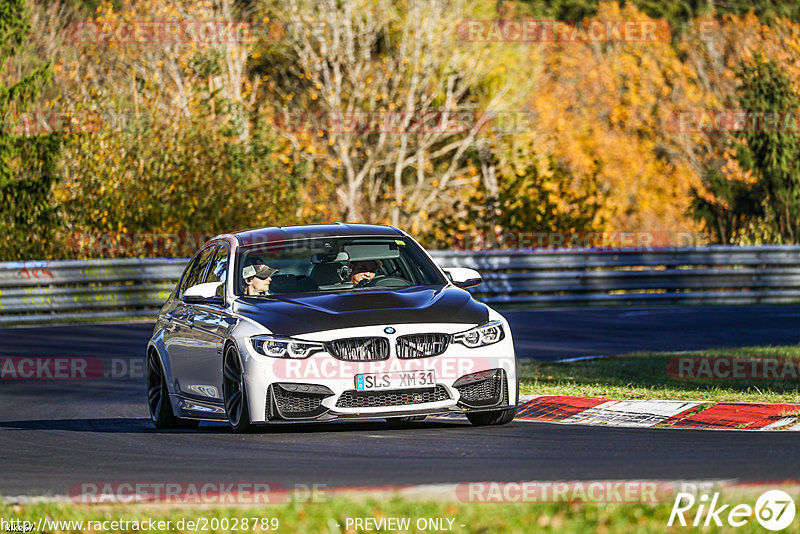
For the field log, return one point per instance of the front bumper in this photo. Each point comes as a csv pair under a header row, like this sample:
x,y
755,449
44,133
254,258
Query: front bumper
x,y
323,388
487,390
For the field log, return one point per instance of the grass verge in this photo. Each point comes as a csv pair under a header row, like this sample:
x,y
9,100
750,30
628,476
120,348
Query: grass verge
x,y
331,517
645,375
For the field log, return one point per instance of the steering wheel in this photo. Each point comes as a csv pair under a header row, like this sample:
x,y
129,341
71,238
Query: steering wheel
x,y
387,281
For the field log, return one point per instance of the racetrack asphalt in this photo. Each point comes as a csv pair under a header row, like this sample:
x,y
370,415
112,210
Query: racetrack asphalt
x,y
58,433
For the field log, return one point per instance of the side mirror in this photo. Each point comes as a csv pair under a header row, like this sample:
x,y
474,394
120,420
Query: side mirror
x,y
203,294
463,278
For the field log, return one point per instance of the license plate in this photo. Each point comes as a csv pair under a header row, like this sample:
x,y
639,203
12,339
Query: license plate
x,y
399,380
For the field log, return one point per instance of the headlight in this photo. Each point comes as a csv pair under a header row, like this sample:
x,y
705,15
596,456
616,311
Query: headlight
x,y
481,335
276,347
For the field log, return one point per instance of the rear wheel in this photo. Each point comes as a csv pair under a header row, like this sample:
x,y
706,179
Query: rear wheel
x,y
234,392
498,417
158,397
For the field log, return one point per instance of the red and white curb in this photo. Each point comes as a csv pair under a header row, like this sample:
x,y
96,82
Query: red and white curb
x,y
659,413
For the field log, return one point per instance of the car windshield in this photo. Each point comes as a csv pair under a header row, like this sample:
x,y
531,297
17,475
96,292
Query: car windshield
x,y
333,264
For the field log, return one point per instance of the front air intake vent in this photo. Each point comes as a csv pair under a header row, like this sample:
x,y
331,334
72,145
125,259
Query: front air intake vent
x,y
296,401
483,389
400,397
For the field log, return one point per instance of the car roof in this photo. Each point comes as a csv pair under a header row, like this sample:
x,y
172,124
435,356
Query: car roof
x,y
312,231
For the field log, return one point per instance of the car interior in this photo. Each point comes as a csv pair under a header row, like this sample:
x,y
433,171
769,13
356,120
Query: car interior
x,y
328,266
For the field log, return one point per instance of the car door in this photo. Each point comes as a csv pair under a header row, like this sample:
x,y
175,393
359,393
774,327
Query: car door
x,y
211,324
183,342
175,318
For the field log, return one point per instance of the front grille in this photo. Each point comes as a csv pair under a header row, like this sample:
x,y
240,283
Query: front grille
x,y
421,345
360,349
402,397
488,390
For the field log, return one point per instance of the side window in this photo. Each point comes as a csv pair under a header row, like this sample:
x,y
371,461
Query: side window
x,y
186,274
219,269
196,275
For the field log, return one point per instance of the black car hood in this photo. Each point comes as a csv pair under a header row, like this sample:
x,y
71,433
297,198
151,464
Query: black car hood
x,y
303,313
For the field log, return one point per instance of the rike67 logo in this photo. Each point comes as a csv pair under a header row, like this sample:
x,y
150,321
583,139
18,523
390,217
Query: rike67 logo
x,y
774,510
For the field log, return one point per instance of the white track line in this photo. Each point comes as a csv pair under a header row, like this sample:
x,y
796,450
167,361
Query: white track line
x,y
642,413
783,422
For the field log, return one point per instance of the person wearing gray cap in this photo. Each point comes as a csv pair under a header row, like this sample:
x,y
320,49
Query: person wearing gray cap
x,y
257,278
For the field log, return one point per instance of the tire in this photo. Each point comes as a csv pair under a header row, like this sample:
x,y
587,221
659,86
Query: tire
x,y
497,417
235,393
158,397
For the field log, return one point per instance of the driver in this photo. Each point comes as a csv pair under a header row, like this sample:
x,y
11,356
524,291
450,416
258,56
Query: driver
x,y
257,277
362,271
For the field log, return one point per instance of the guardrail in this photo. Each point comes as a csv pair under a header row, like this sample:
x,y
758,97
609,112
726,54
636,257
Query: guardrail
x,y
41,290
707,275
62,290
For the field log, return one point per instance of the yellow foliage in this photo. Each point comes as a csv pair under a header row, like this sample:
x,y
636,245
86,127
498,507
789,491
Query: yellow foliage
x,y
605,108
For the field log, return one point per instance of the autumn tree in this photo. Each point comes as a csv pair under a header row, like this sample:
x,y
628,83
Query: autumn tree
x,y
603,110
727,207
722,55
180,141
386,100
771,149
530,193
27,157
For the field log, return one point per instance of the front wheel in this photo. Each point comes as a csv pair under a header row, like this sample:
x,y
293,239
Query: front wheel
x,y
498,417
234,392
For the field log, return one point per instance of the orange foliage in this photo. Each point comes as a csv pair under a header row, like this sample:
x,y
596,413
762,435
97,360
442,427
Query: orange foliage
x,y
605,108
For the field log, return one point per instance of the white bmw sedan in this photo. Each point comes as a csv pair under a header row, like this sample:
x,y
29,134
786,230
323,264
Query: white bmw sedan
x,y
325,322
